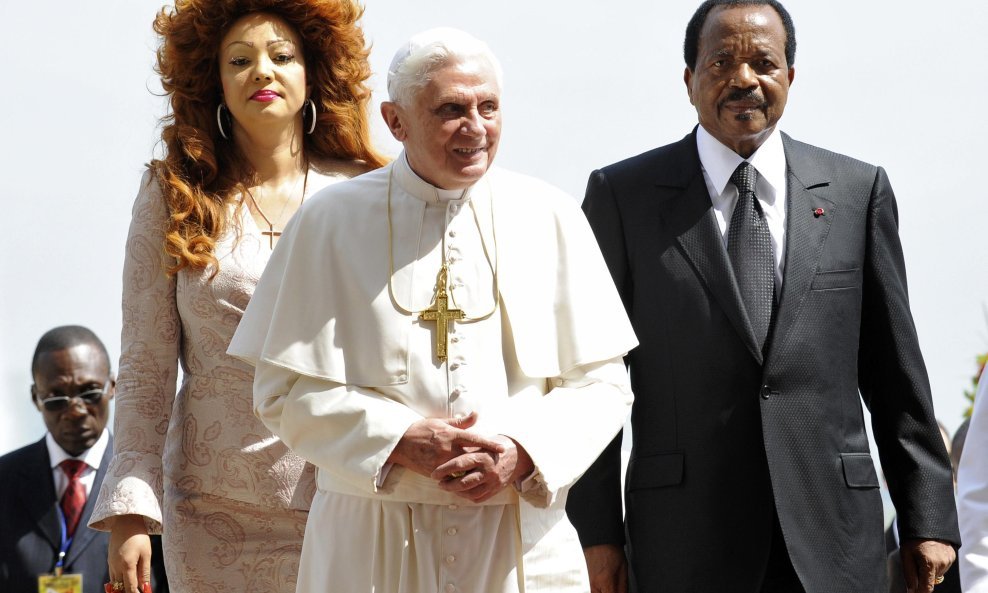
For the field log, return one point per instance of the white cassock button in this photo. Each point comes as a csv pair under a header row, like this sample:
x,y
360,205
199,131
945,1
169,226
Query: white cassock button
x,y
451,531
450,559
453,507
454,339
452,233
454,366
450,588
559,382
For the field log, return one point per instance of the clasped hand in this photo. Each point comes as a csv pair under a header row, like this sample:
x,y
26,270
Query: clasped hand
x,y
465,463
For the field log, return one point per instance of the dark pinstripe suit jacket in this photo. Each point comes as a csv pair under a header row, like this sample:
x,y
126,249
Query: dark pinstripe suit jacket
x,y
723,437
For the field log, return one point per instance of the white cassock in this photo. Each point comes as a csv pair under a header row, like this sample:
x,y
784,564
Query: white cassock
x,y
343,371
972,496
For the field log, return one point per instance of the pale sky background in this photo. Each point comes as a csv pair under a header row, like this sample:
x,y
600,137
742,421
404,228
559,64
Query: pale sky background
x,y
899,84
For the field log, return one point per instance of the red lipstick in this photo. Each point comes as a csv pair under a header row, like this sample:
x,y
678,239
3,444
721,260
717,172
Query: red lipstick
x,y
264,96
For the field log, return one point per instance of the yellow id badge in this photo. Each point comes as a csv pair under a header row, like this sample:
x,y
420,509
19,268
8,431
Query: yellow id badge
x,y
65,583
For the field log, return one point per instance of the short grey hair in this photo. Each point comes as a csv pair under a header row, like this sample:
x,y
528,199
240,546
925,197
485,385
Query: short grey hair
x,y
429,51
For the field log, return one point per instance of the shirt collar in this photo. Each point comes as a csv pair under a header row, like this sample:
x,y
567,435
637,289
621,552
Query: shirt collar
x,y
92,456
422,189
719,161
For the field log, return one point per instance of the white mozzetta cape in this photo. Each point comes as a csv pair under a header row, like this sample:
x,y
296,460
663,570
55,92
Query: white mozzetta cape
x,y
322,308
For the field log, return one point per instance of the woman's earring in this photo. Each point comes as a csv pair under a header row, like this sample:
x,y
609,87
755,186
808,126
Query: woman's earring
x,y
312,106
219,120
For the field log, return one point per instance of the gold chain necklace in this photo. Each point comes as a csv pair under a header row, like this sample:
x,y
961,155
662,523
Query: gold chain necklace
x,y
439,311
272,234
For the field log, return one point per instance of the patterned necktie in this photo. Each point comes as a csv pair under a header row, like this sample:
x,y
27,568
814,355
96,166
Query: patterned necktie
x,y
74,498
749,246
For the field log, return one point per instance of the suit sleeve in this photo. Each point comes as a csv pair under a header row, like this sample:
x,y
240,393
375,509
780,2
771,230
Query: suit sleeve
x,y
972,496
894,383
594,503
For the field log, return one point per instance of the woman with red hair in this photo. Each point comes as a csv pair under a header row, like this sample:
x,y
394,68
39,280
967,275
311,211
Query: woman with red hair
x,y
268,104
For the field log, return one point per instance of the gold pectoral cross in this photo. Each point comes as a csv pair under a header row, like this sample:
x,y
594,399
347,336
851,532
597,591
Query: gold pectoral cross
x,y
441,314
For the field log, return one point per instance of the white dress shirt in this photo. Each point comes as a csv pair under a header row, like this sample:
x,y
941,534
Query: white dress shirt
x,y
92,457
719,162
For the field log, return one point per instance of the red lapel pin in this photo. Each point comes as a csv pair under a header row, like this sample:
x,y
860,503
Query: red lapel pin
x,y
817,213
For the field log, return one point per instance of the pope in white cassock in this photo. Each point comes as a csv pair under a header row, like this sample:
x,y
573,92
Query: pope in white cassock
x,y
443,341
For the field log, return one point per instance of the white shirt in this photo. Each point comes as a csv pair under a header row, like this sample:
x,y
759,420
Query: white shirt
x,y
92,457
719,162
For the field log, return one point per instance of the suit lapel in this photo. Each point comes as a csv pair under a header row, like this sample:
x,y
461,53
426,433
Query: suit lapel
x,y
83,534
36,491
806,234
688,215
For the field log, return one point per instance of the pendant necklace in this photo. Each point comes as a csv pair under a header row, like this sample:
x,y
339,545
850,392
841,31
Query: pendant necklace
x,y
272,234
439,310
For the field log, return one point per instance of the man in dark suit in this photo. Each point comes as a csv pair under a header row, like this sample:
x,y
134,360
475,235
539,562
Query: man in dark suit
x,y
52,483
765,280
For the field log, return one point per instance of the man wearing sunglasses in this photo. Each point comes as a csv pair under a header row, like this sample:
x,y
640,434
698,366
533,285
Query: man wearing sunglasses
x,y
47,489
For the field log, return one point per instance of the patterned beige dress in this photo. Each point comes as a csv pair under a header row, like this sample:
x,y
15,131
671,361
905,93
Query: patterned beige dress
x,y
228,497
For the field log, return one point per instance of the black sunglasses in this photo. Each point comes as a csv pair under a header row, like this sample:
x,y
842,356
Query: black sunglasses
x,y
57,403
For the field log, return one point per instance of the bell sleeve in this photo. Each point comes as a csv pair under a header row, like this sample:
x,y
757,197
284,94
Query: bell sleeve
x,y
146,384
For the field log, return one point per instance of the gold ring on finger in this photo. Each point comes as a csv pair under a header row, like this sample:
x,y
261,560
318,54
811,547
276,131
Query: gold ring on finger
x,y
938,580
117,586
459,474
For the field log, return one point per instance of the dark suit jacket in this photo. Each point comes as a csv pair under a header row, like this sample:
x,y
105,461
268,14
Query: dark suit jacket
x,y
30,533
724,437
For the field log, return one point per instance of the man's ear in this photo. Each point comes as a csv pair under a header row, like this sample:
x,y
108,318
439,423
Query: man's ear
x,y
113,388
393,116
688,79
34,396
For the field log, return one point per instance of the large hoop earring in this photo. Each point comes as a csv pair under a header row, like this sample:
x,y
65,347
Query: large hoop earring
x,y
312,106
219,120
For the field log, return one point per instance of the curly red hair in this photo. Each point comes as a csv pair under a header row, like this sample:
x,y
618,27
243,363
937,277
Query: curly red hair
x,y
201,174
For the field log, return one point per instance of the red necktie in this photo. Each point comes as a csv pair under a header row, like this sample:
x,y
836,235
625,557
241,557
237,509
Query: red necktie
x,y
74,498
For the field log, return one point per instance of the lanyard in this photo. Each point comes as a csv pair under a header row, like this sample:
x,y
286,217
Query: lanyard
x,y
65,541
